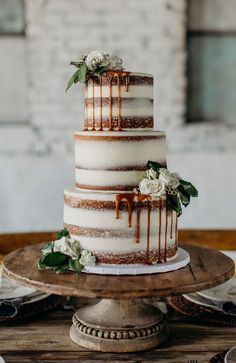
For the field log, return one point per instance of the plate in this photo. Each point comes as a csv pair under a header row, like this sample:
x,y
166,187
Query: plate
x,y
231,356
181,260
200,300
221,293
11,289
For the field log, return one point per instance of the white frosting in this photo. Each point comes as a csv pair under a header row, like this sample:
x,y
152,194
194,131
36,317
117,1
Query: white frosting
x,y
102,154
144,91
106,219
108,177
96,156
137,109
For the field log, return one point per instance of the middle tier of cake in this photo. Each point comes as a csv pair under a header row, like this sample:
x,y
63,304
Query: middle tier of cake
x,y
116,161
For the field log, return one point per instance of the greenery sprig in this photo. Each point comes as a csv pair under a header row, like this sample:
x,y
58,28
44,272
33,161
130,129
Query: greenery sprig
x,y
72,258
93,64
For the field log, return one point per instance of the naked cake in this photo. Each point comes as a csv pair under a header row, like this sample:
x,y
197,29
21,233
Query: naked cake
x,y
125,204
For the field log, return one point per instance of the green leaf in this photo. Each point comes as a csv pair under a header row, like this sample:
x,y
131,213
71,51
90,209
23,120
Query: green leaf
x,y
75,265
48,248
41,265
61,268
154,165
83,73
54,259
63,233
73,79
189,188
184,195
98,71
174,203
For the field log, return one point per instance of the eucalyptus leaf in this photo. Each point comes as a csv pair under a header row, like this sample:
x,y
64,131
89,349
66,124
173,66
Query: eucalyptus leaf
x,y
63,233
83,73
53,259
184,195
174,203
75,265
154,165
73,79
99,70
189,188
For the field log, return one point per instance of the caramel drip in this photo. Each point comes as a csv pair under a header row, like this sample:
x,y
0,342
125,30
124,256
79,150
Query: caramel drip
x,y
93,128
86,107
176,231
127,83
138,224
119,103
129,198
159,237
101,126
110,103
148,230
140,198
117,74
165,252
171,224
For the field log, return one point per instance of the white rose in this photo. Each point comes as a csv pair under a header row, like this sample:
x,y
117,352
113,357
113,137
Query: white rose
x,y
151,174
87,259
96,59
168,178
154,187
68,247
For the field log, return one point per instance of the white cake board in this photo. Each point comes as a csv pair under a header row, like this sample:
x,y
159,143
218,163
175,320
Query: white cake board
x,y
181,260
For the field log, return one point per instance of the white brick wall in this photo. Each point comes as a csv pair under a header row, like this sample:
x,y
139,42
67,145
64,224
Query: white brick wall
x,y
37,157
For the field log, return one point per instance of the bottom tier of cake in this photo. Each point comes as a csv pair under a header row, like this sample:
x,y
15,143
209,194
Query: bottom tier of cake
x,y
122,228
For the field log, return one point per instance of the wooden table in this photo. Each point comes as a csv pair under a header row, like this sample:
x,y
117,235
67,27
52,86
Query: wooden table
x,y
45,339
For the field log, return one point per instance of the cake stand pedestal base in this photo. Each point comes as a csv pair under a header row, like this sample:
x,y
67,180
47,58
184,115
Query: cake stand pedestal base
x,y
121,321
119,326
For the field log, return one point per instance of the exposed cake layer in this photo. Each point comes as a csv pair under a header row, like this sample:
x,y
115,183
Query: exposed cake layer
x,y
116,160
119,100
123,228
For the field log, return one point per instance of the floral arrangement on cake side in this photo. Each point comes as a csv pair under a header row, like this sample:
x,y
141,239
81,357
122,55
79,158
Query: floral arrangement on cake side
x,y
65,254
95,63
160,182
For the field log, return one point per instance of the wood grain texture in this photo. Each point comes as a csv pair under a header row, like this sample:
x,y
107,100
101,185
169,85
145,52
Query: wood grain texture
x,y
46,340
207,268
219,239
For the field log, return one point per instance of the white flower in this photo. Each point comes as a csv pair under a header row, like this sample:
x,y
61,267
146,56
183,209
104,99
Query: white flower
x,y
87,259
169,179
96,59
151,174
68,247
154,187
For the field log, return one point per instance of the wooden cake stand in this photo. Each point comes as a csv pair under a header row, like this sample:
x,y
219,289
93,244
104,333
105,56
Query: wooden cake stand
x,y
120,321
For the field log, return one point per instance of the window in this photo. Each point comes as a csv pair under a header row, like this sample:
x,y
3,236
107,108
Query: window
x,y
212,61
13,71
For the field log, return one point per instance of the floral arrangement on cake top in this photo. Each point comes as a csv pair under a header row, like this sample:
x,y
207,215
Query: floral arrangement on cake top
x,y
65,254
95,63
159,182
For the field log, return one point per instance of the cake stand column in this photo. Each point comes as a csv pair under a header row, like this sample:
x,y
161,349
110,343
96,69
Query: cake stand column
x,y
119,326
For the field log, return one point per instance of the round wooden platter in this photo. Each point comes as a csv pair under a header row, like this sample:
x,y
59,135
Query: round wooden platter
x,y
207,268
121,321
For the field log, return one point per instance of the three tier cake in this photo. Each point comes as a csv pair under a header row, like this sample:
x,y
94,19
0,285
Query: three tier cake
x,y
105,211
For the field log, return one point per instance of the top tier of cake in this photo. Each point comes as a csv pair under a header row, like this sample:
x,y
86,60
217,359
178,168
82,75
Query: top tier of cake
x,y
119,101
